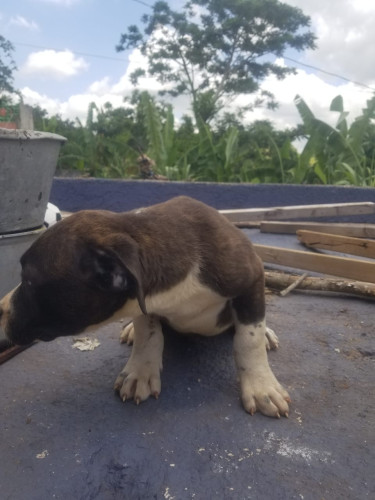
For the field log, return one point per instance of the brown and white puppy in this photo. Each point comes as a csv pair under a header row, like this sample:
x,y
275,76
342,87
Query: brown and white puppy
x,y
180,262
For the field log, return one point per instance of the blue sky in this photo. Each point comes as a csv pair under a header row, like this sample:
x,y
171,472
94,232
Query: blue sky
x,y
53,40
81,26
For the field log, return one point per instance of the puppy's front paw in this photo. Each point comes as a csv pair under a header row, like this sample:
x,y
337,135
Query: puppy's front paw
x,y
264,393
138,382
127,334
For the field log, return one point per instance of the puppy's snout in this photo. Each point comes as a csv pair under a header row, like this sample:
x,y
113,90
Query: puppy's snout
x,y
4,307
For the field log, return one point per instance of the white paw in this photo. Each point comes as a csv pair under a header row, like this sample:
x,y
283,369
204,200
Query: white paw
x,y
141,376
127,334
138,381
262,391
272,341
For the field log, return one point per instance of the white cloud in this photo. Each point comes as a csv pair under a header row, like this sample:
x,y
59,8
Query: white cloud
x,y
317,93
35,99
53,64
137,60
100,87
22,22
346,36
346,46
75,107
100,91
363,5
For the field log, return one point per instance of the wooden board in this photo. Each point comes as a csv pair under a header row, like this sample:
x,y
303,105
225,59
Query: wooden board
x,y
12,351
299,211
327,264
336,243
356,230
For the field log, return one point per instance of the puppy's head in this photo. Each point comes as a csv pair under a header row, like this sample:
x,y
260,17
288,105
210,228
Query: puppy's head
x,y
78,273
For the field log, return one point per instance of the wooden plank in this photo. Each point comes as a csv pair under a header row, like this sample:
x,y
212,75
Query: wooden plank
x,y
299,211
248,224
12,351
327,264
335,243
356,230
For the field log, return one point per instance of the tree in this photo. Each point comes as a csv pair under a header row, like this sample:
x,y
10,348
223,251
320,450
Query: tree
x,y
214,50
7,66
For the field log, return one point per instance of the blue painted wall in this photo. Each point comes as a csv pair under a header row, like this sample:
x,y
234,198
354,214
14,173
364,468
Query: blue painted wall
x,y
122,195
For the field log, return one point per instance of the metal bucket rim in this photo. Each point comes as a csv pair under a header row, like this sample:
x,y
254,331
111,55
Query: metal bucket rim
x,y
22,234
27,135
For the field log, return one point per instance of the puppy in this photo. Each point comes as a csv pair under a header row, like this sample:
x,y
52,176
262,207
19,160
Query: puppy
x,y
180,262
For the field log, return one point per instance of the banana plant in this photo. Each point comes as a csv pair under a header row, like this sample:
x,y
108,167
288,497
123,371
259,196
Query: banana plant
x,y
215,159
160,134
337,154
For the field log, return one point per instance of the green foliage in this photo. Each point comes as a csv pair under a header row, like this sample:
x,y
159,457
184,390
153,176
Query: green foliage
x,y
215,159
7,67
9,111
213,50
340,154
157,140
111,140
100,148
236,154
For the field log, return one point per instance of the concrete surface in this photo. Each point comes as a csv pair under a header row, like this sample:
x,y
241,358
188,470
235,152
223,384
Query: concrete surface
x,y
65,434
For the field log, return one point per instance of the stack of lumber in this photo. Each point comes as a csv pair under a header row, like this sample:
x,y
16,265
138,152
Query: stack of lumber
x,y
325,241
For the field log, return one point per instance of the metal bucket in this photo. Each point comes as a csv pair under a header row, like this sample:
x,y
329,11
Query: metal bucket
x,y
27,165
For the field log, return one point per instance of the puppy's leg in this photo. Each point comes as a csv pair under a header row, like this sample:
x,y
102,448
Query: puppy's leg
x,y
141,376
260,389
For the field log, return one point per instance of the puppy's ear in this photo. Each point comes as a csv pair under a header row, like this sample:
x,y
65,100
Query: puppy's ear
x,y
114,267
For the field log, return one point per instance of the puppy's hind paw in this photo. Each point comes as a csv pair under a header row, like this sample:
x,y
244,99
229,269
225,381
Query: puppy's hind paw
x,y
127,334
272,341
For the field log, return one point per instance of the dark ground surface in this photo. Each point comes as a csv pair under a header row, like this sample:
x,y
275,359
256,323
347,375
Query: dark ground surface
x,y
66,435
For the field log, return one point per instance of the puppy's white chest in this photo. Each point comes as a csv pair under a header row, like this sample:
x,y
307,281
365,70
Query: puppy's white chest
x,y
189,307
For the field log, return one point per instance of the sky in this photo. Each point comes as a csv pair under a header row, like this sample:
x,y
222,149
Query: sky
x,y
66,57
